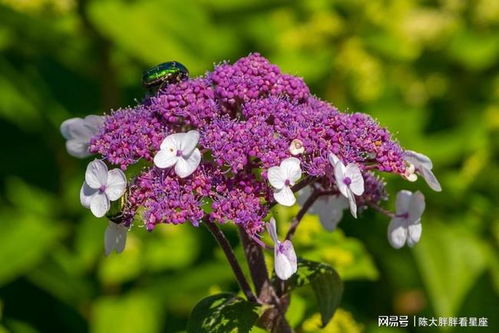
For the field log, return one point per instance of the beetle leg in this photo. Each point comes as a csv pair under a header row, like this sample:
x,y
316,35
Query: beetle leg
x,y
162,85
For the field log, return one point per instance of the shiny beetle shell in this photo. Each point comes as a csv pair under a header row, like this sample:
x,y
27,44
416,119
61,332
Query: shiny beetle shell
x,y
163,74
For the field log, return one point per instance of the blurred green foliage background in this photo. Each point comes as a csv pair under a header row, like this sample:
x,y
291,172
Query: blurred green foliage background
x,y
428,70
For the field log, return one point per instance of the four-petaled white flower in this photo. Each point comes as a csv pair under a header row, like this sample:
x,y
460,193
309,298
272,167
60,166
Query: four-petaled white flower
x,y
285,263
101,186
78,132
405,226
115,238
421,164
328,207
282,177
296,147
348,180
179,150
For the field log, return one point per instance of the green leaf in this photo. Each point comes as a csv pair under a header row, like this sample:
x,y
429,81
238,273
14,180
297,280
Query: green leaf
x,y
15,105
325,282
185,288
18,326
24,242
134,312
296,310
450,259
474,50
393,46
125,266
170,247
89,242
347,255
30,199
222,313
175,37
74,290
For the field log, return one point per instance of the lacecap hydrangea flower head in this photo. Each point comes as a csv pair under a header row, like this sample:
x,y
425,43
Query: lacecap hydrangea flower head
x,y
227,146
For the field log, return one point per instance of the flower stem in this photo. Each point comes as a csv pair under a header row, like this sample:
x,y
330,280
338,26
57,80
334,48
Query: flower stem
x,y
229,253
382,210
306,206
274,318
261,243
256,262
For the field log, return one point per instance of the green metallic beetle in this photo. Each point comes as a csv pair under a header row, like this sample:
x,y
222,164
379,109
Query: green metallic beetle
x,y
163,74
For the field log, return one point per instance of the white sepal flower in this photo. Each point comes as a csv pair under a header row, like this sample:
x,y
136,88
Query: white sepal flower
x,y
330,210
423,165
405,227
179,150
115,238
333,159
328,207
100,187
78,132
296,147
282,178
348,180
285,262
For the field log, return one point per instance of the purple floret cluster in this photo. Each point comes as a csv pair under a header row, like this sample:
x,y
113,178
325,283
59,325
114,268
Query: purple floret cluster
x,y
244,144
167,198
129,135
240,200
187,103
252,78
247,115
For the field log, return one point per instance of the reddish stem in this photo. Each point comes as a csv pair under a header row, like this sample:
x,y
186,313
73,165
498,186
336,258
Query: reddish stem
x,y
229,253
306,206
